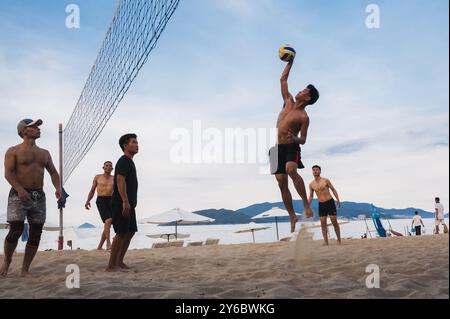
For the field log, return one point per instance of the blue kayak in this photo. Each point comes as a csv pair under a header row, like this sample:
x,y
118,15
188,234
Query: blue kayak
x,y
377,222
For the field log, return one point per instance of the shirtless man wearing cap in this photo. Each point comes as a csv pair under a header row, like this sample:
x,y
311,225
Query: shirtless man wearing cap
x,y
285,157
24,170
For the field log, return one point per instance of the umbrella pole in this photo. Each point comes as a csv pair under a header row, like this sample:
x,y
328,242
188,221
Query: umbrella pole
x,y
253,233
176,230
276,222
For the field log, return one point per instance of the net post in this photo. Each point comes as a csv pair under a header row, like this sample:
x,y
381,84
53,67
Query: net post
x,y
61,236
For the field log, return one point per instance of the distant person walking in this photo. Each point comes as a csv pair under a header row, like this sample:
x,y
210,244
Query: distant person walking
x,y
439,209
417,223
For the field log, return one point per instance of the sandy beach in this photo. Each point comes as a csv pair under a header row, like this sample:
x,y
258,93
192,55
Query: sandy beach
x,y
410,267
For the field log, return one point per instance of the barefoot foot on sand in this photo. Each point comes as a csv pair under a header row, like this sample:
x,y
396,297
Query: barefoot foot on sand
x,y
294,220
5,268
123,266
25,274
109,269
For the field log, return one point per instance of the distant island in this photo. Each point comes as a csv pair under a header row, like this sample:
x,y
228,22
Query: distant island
x,y
349,210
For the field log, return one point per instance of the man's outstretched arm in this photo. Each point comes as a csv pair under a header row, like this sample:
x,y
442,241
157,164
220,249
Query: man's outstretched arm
x,y
56,181
284,78
311,195
334,193
91,194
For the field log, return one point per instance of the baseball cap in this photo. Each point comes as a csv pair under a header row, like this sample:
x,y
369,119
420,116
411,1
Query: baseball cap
x,y
25,123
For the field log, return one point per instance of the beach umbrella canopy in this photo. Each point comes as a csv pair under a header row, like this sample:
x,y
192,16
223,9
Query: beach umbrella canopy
x,y
251,228
177,216
274,212
51,227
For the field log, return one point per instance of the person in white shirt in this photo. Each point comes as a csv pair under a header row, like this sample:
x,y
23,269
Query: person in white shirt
x,y
439,209
417,224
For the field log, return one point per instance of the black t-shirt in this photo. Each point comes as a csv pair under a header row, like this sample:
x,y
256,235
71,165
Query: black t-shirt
x,y
125,167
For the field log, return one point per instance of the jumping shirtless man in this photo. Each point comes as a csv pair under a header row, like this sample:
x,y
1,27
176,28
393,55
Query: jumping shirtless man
x,y
285,157
104,183
327,206
24,170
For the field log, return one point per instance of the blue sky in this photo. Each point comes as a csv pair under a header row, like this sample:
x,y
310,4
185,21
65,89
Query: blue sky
x,y
380,129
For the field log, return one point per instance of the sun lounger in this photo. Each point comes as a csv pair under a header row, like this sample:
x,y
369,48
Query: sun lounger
x,y
211,241
160,245
177,243
195,243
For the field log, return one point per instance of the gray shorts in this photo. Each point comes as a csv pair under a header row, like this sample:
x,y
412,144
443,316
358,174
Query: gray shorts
x,y
35,211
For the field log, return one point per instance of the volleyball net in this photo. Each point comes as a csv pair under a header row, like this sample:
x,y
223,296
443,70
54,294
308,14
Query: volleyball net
x,y
131,37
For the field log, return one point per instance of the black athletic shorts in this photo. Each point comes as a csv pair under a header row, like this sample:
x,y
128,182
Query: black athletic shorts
x,y
281,154
123,224
104,207
327,208
418,230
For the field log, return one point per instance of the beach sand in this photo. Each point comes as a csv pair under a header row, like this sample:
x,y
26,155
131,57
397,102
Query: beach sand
x,y
410,267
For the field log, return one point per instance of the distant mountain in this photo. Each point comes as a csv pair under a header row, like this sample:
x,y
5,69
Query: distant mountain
x,y
86,226
224,216
347,210
351,210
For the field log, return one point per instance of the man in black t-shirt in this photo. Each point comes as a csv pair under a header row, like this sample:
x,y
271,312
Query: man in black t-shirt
x,y
123,202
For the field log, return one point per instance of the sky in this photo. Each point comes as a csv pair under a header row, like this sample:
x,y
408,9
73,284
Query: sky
x,y
380,130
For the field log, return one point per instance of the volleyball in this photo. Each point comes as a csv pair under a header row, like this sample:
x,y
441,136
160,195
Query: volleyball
x,y
286,52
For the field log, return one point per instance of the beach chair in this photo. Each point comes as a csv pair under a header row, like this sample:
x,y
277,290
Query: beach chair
x,y
176,243
160,245
195,243
211,241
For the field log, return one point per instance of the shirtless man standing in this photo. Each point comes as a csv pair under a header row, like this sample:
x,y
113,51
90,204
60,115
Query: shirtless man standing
x,y
104,183
327,206
285,157
24,170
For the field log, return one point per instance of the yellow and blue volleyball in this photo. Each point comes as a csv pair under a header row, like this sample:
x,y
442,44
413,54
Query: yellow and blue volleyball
x,y
286,52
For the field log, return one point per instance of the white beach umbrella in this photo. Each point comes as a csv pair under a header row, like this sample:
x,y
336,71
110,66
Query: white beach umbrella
x,y
177,216
251,228
274,212
50,227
